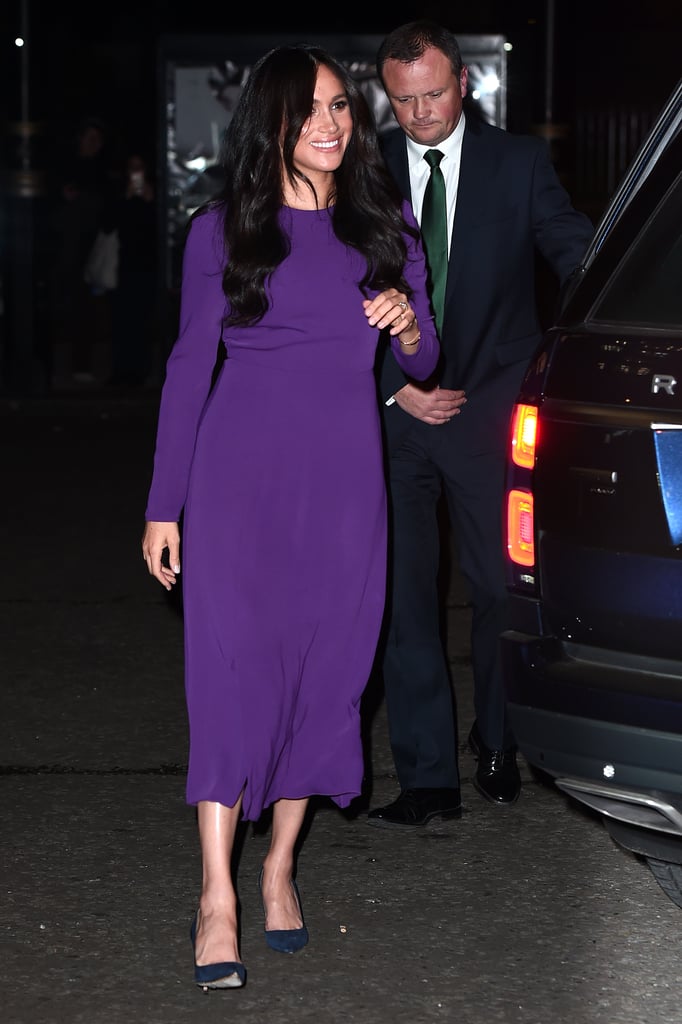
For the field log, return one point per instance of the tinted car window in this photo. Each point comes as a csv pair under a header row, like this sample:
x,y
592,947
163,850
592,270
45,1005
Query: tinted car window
x,y
646,288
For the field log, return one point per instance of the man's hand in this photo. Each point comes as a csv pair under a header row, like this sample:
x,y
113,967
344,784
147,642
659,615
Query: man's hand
x,y
436,406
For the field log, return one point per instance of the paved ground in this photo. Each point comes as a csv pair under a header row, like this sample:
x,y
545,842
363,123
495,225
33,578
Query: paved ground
x,y
528,915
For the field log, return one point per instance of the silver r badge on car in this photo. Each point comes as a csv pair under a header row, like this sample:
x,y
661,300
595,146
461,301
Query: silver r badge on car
x,y
663,382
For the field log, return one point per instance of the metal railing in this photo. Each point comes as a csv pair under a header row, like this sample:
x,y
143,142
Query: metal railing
x,y
605,142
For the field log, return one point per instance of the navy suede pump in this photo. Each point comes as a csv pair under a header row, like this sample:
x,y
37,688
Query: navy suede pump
x,y
285,940
230,974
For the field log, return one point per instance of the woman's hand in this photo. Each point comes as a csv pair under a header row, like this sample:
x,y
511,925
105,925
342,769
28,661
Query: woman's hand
x,y
157,538
391,309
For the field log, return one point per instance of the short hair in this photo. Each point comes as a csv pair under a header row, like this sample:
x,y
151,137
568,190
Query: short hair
x,y
408,42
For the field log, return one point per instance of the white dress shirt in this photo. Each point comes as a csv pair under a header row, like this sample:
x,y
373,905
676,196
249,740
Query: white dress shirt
x,y
451,148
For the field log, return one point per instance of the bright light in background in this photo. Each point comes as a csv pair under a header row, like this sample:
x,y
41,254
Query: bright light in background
x,y
488,84
508,47
199,163
18,41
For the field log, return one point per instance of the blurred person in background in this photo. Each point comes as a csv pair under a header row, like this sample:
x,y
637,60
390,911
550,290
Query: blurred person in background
x,y
82,192
134,300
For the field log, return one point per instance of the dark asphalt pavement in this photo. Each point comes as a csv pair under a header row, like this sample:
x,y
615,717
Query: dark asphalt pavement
x,y
522,915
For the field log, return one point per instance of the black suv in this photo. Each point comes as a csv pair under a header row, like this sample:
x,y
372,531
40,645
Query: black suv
x,y
593,655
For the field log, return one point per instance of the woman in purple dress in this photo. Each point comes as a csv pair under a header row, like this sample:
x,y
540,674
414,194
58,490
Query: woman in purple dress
x,y
276,462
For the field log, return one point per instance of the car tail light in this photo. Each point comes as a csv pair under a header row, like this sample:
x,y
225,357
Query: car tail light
x,y
524,435
520,527
520,509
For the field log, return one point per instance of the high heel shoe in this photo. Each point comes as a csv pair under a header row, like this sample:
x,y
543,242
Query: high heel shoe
x,y
230,974
285,940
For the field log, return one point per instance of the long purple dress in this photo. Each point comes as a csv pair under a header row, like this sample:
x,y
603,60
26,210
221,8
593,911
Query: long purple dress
x,y
280,475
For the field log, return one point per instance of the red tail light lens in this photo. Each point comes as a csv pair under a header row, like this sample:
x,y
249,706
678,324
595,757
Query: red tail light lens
x,y
524,435
520,534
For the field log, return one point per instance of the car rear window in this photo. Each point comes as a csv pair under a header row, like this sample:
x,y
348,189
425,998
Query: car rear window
x,y
645,288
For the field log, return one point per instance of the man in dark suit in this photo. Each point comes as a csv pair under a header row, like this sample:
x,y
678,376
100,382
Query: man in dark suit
x,y
503,201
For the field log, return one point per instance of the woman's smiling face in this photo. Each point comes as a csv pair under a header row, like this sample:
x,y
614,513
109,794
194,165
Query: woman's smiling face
x,y
326,134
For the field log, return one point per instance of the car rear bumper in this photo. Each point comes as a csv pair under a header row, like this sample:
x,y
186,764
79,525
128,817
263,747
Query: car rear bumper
x,y
600,756
562,710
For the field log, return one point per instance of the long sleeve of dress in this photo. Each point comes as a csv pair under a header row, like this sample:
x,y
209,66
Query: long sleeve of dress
x,y
420,365
188,370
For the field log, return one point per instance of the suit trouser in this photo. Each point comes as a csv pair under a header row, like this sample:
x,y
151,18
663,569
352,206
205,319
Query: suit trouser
x,y
418,689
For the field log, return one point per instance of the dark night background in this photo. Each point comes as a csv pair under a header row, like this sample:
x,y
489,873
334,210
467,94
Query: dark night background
x,y
570,61
88,59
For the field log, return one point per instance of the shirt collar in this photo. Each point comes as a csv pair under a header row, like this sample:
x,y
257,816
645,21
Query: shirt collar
x,y
449,147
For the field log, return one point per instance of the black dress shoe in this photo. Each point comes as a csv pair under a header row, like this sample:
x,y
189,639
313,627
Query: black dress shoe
x,y
497,776
414,808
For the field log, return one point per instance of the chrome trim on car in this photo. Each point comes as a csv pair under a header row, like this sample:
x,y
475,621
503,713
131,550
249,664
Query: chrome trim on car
x,y
645,810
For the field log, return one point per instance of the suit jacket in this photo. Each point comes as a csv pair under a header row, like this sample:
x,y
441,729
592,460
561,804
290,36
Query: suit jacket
x,y
509,202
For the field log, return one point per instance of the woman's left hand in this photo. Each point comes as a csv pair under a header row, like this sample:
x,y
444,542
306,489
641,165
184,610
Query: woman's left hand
x,y
391,309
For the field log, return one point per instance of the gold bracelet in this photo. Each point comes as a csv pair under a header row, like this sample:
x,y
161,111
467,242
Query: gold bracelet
x,y
411,344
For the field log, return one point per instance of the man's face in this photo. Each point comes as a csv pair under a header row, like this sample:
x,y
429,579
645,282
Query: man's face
x,y
426,96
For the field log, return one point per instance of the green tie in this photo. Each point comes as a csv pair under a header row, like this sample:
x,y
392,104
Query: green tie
x,y
435,233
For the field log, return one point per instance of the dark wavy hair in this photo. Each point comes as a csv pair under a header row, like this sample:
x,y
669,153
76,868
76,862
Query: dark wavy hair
x,y
258,147
408,42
